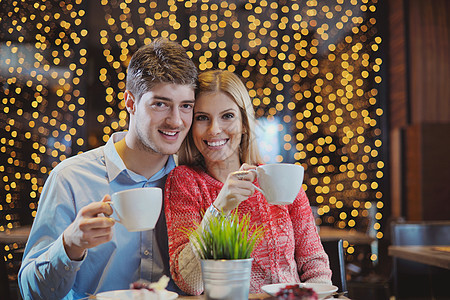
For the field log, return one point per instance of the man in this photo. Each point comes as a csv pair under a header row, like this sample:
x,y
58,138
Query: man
x,y
74,248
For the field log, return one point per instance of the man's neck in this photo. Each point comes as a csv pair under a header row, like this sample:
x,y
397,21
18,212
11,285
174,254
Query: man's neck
x,y
140,161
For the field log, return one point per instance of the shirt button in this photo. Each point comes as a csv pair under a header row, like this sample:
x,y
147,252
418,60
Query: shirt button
x,y
67,268
146,253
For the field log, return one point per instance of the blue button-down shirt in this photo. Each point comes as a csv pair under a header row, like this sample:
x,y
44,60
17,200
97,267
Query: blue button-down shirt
x,y
48,273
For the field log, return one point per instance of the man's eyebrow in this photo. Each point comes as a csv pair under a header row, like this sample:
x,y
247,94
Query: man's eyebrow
x,y
162,98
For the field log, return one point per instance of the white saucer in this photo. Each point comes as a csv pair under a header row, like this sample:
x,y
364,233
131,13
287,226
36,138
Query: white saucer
x,y
141,294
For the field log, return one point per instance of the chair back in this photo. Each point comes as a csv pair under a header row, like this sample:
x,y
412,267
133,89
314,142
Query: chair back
x,y
416,280
335,251
421,233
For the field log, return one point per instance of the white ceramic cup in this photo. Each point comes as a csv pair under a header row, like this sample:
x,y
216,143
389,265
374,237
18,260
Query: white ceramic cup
x,y
137,209
280,183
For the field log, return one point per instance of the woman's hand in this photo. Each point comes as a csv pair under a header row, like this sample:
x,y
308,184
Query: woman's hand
x,y
237,188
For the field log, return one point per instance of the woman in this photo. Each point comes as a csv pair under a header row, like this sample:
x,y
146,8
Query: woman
x,y
214,177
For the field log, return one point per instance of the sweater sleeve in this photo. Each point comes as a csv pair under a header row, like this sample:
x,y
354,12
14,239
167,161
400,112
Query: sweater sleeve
x,y
183,209
312,260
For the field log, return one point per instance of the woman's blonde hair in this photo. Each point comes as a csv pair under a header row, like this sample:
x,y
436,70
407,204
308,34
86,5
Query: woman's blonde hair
x,y
226,82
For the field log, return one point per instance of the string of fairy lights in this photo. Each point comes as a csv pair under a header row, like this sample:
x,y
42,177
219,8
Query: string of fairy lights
x,y
42,63
311,67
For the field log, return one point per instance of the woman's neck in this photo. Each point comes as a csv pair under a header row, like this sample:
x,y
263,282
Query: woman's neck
x,y
220,170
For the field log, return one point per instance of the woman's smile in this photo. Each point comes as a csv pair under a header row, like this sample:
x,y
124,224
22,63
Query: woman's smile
x,y
216,143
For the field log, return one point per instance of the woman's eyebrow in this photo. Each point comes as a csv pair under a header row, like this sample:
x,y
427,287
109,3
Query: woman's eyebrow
x,y
228,110
200,112
222,112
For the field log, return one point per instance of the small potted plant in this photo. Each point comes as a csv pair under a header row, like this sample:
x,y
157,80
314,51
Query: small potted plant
x,y
224,247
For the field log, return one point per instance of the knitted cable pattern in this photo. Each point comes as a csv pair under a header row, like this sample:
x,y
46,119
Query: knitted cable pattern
x,y
290,251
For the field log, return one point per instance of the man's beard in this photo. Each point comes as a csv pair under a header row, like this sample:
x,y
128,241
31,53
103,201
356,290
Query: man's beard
x,y
145,144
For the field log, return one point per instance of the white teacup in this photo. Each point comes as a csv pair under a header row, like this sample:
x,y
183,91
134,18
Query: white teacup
x,y
280,183
138,209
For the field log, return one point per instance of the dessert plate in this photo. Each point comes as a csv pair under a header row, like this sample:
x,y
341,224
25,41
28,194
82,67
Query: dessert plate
x,y
136,295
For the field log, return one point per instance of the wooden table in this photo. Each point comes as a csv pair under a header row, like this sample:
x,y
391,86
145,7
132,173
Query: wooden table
x,y
251,296
438,256
352,236
16,235
202,297
20,235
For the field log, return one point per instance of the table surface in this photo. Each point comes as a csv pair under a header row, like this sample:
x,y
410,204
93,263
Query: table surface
x,y
438,255
251,296
351,236
201,297
15,235
20,235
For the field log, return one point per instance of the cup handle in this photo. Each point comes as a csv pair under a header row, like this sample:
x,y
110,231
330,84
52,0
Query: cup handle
x,y
259,189
109,216
262,192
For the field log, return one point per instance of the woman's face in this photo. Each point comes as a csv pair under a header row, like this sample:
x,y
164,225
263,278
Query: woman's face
x,y
217,127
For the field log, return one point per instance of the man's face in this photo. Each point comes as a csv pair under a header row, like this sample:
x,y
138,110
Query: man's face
x,y
162,117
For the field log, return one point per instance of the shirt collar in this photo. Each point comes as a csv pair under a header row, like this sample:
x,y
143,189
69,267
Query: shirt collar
x,y
115,165
113,162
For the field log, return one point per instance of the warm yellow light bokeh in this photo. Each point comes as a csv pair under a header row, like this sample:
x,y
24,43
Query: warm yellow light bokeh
x,y
314,67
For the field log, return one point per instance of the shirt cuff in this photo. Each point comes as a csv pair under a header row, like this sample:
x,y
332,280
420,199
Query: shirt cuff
x,y
59,259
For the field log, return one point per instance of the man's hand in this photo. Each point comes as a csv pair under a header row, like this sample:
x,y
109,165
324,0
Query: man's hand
x,y
90,228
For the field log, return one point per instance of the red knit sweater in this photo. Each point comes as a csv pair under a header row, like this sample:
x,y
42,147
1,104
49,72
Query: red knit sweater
x,y
290,251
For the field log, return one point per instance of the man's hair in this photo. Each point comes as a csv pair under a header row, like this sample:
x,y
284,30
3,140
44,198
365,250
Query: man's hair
x,y
215,81
161,61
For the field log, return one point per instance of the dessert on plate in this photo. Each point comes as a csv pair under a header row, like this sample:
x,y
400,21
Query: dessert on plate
x,y
160,285
141,290
295,292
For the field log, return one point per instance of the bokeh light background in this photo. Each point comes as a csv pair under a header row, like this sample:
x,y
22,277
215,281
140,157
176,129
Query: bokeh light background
x,y
314,70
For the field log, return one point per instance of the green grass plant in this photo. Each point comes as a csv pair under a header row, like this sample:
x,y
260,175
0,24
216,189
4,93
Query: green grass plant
x,y
227,237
